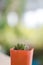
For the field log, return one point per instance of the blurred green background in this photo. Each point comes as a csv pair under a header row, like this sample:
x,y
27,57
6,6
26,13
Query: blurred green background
x,y
13,29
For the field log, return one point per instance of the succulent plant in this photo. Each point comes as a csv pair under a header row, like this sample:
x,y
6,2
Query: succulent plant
x,y
22,47
19,47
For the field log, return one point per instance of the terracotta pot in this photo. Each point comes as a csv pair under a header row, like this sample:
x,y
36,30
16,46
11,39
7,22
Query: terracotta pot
x,y
21,57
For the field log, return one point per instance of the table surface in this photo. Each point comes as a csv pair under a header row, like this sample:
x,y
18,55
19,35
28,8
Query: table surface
x,y
4,59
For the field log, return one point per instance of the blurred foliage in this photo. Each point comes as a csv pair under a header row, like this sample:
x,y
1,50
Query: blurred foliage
x,y
21,8
18,32
10,36
6,47
7,3
2,24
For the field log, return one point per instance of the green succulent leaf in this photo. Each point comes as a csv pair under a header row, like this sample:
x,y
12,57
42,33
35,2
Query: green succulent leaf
x,y
19,47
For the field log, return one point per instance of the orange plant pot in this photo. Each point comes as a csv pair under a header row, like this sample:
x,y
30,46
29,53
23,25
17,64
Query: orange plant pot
x,y
21,57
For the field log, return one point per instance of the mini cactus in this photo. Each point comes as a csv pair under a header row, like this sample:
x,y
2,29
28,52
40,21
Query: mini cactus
x,y
21,47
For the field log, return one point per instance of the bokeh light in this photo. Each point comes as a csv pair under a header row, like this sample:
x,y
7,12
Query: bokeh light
x,y
12,19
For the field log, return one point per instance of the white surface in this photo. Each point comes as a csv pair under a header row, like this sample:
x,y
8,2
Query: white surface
x,y
4,59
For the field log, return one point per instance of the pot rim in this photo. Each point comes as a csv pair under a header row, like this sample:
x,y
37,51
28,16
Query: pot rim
x,y
32,49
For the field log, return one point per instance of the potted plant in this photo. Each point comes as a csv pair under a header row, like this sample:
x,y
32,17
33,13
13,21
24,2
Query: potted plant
x,y
21,55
